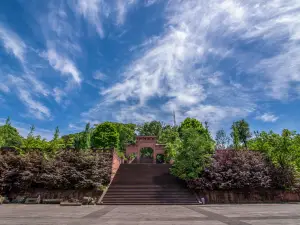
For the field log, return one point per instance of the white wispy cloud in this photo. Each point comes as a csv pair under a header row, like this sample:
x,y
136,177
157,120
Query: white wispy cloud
x,y
4,88
123,8
176,65
58,94
75,127
38,86
98,75
12,43
63,64
23,91
267,117
35,108
93,11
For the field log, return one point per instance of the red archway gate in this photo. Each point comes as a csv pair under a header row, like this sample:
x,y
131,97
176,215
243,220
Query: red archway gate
x,y
145,142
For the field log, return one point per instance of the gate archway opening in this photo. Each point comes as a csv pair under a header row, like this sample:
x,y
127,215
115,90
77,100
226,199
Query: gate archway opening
x,y
160,158
146,155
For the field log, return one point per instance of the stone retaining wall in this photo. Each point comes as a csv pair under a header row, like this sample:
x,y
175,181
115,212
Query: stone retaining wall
x,y
240,196
58,194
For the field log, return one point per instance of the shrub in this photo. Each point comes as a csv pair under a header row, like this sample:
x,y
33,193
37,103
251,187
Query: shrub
x,y
65,170
242,170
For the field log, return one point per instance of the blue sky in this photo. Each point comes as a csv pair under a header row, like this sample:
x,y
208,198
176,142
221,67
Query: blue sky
x,y
66,62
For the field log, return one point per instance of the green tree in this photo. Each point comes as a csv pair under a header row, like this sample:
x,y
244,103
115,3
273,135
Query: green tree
x,y
78,141
105,135
126,134
222,140
190,123
29,142
283,150
194,154
153,128
241,130
68,140
172,149
1,141
9,135
169,134
56,143
86,137
235,138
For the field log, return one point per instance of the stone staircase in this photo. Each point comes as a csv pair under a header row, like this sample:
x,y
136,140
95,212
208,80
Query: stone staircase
x,y
147,184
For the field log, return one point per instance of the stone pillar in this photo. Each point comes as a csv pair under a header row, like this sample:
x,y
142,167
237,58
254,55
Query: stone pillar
x,y
138,155
154,156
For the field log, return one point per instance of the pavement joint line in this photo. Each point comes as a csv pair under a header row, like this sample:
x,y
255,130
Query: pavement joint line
x,y
99,213
218,217
189,218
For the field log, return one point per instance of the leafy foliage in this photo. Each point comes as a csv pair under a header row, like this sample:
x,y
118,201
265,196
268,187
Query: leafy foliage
x,y
191,123
153,128
34,142
222,140
105,135
66,170
241,170
283,150
9,136
240,133
126,134
169,134
194,153
171,149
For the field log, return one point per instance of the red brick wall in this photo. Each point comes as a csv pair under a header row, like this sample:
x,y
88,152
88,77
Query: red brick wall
x,y
116,161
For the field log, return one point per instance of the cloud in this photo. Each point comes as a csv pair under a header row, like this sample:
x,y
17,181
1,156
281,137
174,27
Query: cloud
x,y
58,94
38,86
98,75
267,117
122,9
173,66
75,127
182,64
12,43
63,64
23,90
35,108
93,11
4,88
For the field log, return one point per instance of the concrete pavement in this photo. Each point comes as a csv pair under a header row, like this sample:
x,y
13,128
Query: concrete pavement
x,y
254,214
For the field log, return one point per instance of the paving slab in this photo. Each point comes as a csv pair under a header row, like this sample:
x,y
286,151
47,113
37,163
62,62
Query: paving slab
x,y
255,210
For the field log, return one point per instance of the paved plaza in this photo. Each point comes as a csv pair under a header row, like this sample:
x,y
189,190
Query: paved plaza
x,y
257,214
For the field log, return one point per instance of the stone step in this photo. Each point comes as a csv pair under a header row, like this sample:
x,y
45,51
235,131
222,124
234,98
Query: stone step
x,y
147,184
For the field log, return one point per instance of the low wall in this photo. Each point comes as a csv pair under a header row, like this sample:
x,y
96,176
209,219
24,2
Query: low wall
x,y
58,194
240,197
116,161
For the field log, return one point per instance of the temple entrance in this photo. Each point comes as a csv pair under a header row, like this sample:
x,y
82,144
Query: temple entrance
x,y
146,148
146,155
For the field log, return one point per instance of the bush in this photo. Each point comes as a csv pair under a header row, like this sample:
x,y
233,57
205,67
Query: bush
x,y
242,170
66,170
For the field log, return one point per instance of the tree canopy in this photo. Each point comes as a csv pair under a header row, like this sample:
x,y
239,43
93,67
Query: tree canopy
x,y
153,128
9,136
105,135
240,133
